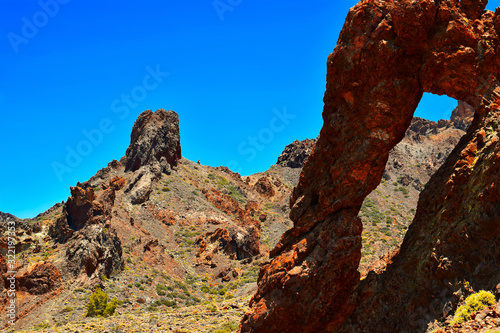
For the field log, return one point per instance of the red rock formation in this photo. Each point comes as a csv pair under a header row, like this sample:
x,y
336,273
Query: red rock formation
x,y
239,240
264,187
389,53
40,278
83,207
117,183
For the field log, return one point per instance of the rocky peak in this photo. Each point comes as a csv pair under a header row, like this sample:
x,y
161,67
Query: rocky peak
x,y
5,217
295,154
462,116
155,139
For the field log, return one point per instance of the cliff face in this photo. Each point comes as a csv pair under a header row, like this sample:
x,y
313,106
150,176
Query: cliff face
x,y
388,55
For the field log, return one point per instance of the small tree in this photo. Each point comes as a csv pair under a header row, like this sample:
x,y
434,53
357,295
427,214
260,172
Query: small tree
x,y
99,304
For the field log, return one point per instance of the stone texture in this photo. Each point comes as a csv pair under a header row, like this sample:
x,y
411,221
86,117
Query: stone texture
x,y
41,278
264,187
388,55
83,208
94,252
155,135
295,154
462,116
142,183
237,244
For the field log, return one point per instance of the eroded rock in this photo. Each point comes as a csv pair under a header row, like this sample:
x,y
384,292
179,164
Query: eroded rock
x,y
41,278
295,154
389,53
95,251
155,135
264,187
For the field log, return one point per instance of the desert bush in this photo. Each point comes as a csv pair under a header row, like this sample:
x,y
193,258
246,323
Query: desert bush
x,y
473,303
99,304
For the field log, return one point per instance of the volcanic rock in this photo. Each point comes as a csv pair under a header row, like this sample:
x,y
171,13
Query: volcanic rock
x,y
462,116
295,154
389,53
95,251
155,135
237,244
83,208
142,183
39,279
264,187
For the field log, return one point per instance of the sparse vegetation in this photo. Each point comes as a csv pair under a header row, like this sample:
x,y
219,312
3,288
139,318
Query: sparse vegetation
x,y
473,303
99,304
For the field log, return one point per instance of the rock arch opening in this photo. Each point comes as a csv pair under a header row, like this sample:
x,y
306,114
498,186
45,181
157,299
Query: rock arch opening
x,y
388,54
388,211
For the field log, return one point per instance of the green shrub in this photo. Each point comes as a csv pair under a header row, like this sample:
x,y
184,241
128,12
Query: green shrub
x,y
473,303
42,325
99,304
228,327
160,289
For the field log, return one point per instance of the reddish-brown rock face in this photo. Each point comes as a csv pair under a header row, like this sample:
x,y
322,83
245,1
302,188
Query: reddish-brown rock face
x,y
39,278
264,187
389,53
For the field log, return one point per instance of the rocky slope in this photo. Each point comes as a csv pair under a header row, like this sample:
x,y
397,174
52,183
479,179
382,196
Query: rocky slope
x,y
389,54
154,230
188,237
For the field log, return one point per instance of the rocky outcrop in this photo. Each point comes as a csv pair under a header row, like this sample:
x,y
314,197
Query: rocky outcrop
x,y
155,139
142,183
238,240
264,187
389,53
295,154
236,244
39,279
84,208
95,251
462,116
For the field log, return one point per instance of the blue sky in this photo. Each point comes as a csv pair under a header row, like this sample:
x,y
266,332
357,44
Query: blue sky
x,y
246,77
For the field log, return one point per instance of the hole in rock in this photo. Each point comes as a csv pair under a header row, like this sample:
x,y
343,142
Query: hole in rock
x,y
389,210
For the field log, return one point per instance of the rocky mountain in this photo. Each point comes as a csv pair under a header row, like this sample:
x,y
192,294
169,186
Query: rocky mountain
x,y
154,230
168,233
388,54
383,223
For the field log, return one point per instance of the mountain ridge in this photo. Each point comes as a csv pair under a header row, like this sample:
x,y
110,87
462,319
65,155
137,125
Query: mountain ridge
x,y
182,219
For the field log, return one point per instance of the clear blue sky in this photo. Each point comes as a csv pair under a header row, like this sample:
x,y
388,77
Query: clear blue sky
x,y
246,77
